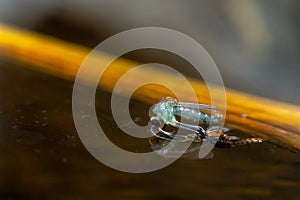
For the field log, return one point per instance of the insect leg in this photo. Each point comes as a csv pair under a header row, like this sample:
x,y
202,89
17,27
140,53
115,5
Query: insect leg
x,y
196,129
170,135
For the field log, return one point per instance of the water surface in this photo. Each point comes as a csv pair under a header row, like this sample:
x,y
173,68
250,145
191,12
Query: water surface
x,y
43,157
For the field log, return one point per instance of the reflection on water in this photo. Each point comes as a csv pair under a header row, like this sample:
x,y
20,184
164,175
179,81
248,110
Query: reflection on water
x,y
42,156
173,151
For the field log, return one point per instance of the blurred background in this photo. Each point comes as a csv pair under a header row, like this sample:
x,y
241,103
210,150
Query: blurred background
x,y
255,45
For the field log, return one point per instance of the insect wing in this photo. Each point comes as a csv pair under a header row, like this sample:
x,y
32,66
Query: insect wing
x,y
196,106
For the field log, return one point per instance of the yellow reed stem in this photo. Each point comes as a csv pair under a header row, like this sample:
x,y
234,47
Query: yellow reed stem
x,y
272,120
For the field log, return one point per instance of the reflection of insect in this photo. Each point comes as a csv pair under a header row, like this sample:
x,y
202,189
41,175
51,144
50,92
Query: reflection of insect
x,y
168,109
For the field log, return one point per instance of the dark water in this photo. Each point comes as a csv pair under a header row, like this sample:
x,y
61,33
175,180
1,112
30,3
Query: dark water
x,y
43,157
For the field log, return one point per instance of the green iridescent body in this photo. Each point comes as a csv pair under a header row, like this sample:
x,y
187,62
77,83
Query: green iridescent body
x,y
196,116
167,110
164,111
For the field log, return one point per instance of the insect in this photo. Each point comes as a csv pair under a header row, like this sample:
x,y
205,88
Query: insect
x,y
166,111
168,108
